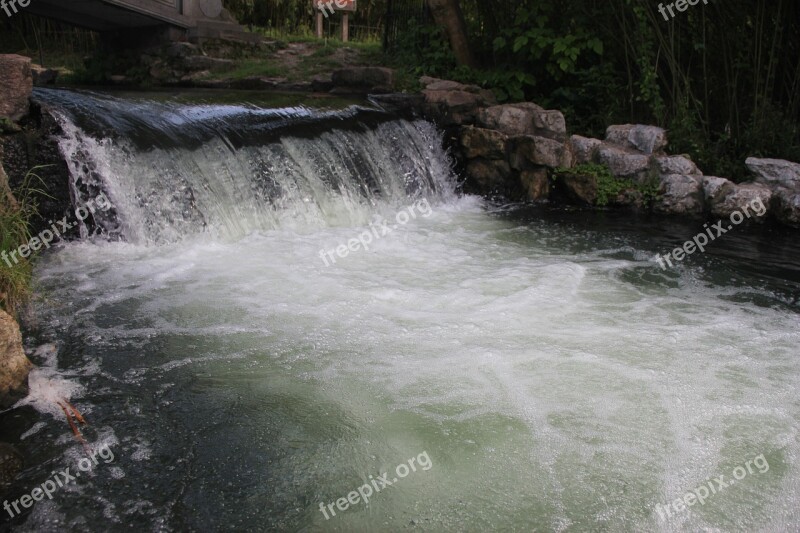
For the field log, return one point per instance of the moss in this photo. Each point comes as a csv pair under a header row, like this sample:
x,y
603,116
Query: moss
x,y
609,187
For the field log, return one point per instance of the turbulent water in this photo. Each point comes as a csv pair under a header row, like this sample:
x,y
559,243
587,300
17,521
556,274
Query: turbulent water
x,y
538,374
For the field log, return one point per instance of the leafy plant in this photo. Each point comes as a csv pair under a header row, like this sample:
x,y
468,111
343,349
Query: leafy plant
x,y
609,187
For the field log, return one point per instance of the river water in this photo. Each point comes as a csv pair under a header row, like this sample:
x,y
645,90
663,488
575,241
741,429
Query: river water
x,y
542,371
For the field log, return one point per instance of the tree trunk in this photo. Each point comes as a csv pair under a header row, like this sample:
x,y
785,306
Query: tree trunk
x,y
447,14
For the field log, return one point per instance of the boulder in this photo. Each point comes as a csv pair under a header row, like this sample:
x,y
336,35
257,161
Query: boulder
x,y
677,164
529,150
525,118
365,78
435,84
577,188
43,76
197,63
480,142
624,163
646,139
775,172
752,198
786,206
584,149
14,365
716,189
489,176
454,107
680,195
16,85
535,184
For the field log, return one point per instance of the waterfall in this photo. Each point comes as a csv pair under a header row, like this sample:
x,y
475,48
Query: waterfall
x,y
173,170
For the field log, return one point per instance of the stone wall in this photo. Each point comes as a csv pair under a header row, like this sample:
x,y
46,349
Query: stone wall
x,y
512,150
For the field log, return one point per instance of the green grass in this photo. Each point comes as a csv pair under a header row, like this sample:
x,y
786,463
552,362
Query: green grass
x,y
15,218
254,67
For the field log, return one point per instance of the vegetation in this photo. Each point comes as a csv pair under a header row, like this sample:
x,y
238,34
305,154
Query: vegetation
x,y
724,78
16,214
610,187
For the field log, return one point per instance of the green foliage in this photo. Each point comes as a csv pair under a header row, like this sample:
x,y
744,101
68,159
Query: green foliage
x,y
16,214
609,186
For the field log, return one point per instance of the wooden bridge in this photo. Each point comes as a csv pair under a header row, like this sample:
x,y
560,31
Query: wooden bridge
x,y
174,19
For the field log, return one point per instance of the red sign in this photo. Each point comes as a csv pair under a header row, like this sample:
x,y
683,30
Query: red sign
x,y
329,6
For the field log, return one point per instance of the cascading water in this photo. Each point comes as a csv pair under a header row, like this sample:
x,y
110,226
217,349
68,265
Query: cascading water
x,y
554,376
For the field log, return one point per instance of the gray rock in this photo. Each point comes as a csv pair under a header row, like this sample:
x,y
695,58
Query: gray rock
x,y
775,172
480,142
646,139
716,189
677,164
752,198
16,85
454,107
681,195
14,365
182,49
786,206
624,163
525,118
526,151
584,149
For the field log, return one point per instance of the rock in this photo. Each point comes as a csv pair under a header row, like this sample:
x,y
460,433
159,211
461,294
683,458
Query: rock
x,y
14,365
677,164
681,195
489,176
535,184
454,107
435,84
322,83
577,188
480,142
752,198
584,149
525,118
16,85
182,49
365,78
716,189
646,139
404,104
11,464
43,76
786,207
775,172
624,163
528,150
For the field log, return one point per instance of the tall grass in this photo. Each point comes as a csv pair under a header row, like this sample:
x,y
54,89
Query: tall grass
x,y
16,214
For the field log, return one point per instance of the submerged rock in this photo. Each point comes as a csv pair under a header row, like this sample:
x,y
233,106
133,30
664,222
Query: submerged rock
x,y
11,464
